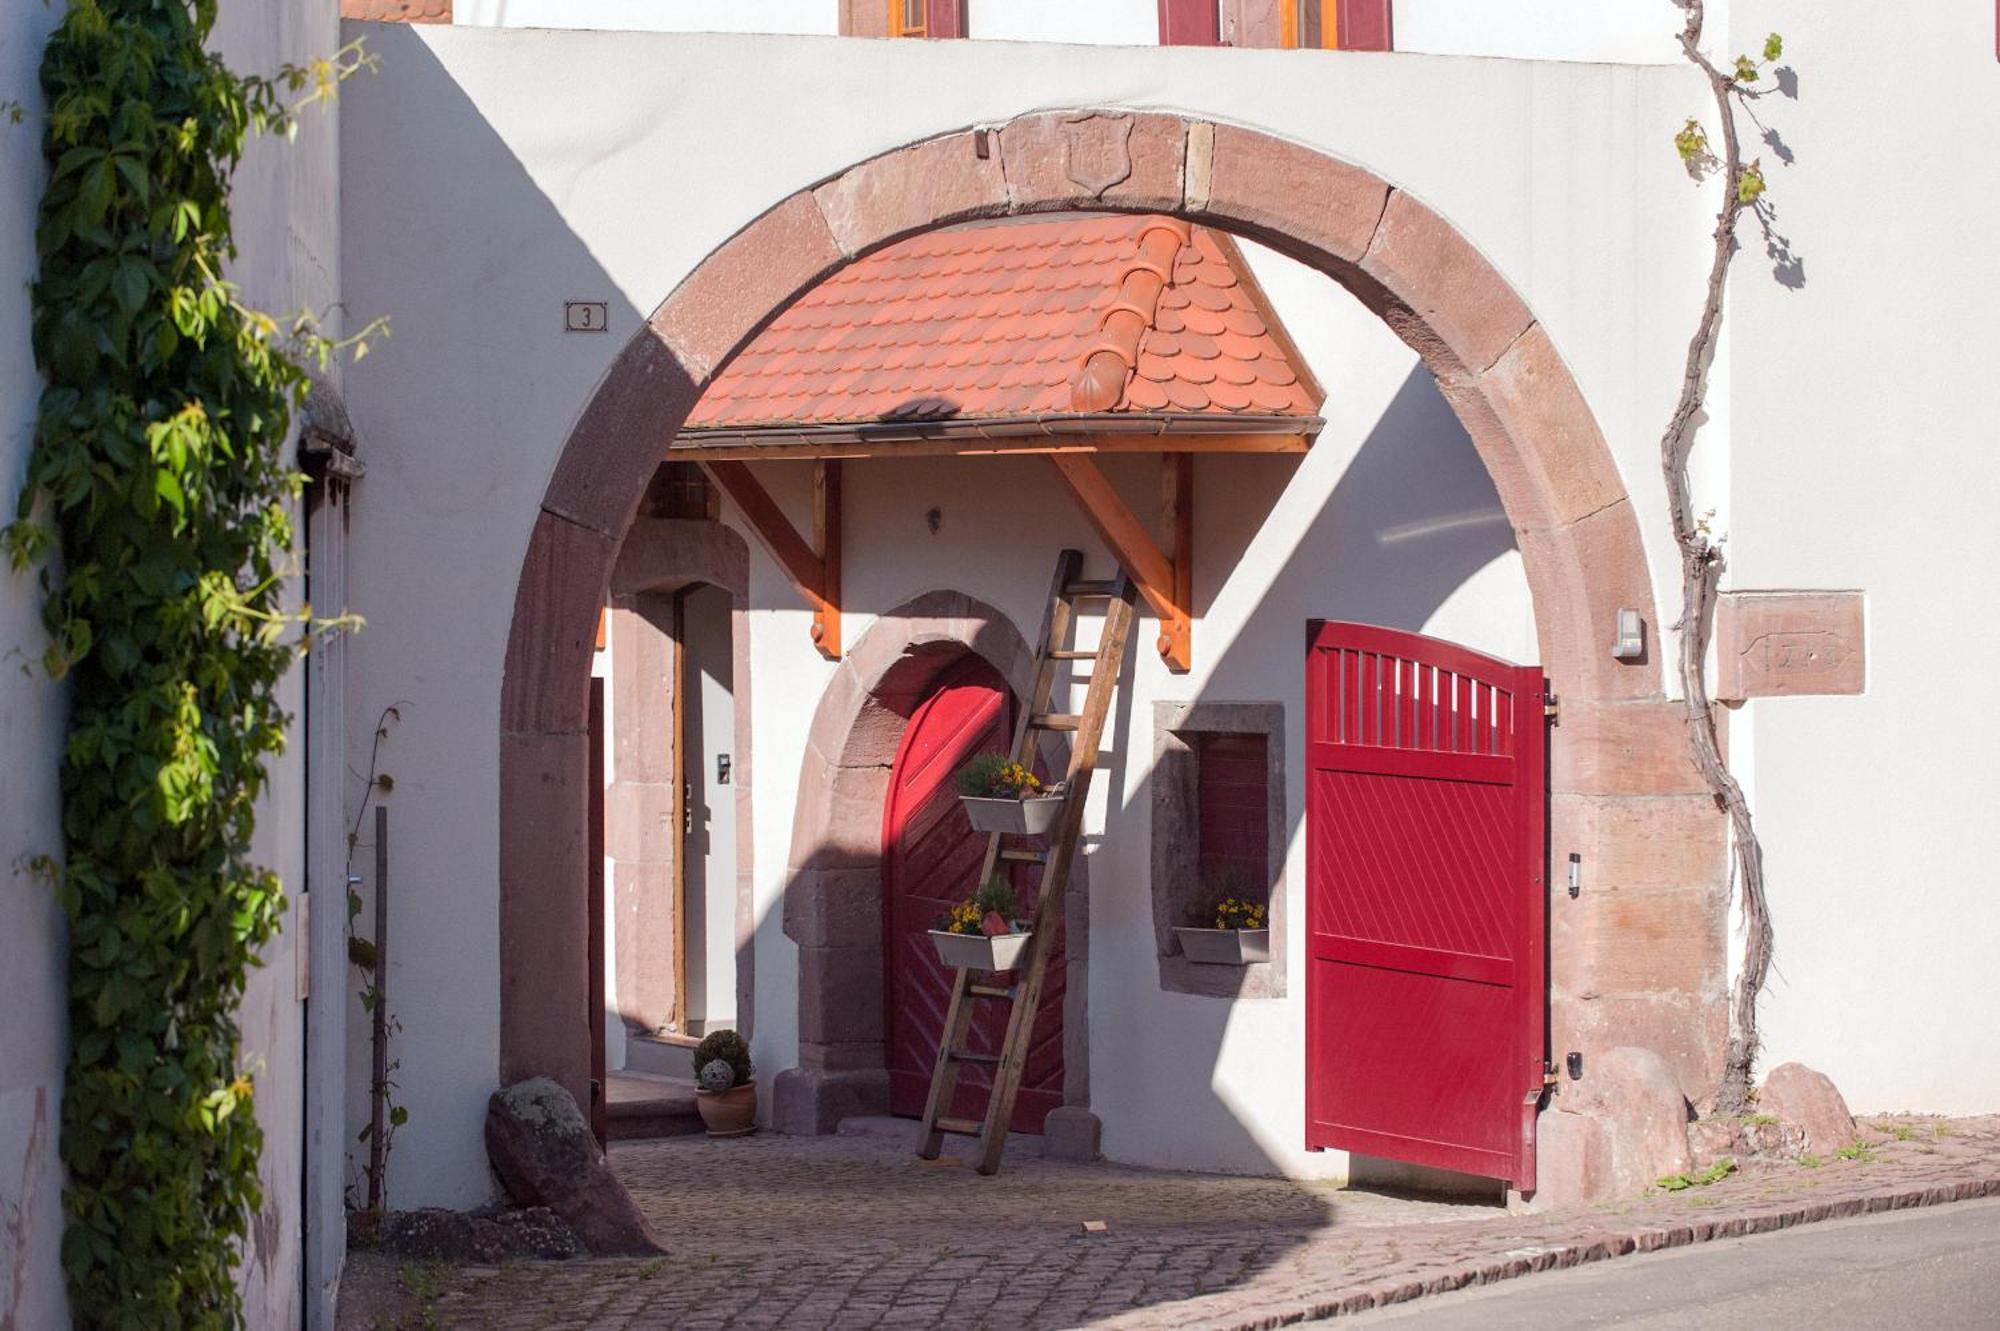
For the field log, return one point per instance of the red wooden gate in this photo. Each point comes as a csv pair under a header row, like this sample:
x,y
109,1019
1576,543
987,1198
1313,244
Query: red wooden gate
x,y
930,859
1426,988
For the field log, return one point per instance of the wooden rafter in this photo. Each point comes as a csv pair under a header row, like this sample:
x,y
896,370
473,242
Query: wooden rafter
x,y
1165,582
814,572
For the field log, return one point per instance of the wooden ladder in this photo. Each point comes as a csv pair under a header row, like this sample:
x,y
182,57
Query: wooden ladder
x,y
1024,996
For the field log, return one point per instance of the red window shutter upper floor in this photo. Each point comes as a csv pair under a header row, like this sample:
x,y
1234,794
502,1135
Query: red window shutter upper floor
x,y
944,18
1189,23
1365,26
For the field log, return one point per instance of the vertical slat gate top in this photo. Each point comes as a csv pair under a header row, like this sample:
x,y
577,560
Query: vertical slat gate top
x,y
1426,878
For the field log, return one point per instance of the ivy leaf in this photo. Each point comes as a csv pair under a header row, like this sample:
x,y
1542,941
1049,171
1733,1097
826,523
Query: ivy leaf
x,y
1774,47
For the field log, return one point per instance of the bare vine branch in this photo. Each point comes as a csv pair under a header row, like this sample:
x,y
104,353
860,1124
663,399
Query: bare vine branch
x,y
1702,557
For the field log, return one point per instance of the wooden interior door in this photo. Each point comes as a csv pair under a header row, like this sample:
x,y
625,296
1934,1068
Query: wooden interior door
x,y
930,857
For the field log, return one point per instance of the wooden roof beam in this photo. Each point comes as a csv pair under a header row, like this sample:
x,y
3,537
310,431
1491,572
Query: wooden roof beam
x,y
1166,582
815,572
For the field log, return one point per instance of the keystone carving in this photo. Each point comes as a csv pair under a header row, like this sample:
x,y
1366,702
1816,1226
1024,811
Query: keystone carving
x,y
1097,152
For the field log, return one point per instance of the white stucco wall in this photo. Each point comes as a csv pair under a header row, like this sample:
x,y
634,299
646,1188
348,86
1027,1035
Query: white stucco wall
x,y
1618,31
285,198
769,16
1865,458
33,1048
556,166
286,221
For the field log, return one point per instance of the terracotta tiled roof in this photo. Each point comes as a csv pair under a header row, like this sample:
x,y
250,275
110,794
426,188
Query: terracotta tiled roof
x,y
1003,320
398,11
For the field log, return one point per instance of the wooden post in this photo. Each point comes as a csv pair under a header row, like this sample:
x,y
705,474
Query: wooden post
x,y
826,539
378,1035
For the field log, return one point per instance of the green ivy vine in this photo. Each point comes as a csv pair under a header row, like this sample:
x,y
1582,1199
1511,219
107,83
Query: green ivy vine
x,y
159,473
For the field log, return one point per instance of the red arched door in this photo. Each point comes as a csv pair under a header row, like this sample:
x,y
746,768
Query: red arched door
x,y
930,857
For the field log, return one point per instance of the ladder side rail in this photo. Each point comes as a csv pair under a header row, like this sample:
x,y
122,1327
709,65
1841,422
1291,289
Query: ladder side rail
x,y
944,1076
1055,875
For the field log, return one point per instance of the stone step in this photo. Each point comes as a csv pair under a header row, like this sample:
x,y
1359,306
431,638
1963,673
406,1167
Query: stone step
x,y
661,1055
642,1105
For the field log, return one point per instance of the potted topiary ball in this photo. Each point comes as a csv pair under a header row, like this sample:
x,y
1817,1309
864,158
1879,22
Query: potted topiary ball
x,y
724,1091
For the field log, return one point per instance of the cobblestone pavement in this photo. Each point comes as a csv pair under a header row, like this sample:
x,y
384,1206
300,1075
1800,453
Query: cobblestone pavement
x,y
850,1231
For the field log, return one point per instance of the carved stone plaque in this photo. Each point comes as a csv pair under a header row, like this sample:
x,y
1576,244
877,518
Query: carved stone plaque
x,y
1097,152
1790,644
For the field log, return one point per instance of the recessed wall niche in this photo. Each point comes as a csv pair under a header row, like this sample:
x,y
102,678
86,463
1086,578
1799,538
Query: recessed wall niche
x,y
1218,825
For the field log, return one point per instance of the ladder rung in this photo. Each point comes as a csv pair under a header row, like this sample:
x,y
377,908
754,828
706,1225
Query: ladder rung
x,y
1105,589
1025,856
964,1127
1066,654
1055,721
967,1056
990,991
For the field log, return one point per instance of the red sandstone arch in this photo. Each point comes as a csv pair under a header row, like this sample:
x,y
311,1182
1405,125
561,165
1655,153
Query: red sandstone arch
x,y
1623,789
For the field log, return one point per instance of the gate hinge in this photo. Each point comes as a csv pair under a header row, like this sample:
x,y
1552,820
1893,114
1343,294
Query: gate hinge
x,y
1551,707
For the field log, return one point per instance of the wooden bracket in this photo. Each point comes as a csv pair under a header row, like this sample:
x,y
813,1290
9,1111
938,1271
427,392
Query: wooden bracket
x,y
814,571
1166,582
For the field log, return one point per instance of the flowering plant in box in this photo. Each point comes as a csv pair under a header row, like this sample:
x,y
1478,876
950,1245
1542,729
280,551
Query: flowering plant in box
x,y
995,777
989,912
1235,913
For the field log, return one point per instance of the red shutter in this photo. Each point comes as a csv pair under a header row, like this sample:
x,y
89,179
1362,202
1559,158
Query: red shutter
x,y
1189,23
944,18
1365,26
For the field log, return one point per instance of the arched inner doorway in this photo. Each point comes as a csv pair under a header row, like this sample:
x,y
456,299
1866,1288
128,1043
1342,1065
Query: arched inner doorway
x,y
929,854
1494,363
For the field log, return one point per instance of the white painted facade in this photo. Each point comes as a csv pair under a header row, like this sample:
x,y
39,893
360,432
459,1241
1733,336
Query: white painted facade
x,y
33,1046
485,177
555,166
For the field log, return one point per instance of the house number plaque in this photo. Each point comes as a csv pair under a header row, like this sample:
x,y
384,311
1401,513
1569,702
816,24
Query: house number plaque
x,y
585,316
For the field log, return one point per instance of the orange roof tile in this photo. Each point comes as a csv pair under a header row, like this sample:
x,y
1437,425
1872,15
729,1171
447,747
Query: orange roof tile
x,y
1000,320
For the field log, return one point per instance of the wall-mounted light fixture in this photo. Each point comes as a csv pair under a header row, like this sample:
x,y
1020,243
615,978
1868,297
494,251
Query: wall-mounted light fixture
x,y
1575,874
1630,644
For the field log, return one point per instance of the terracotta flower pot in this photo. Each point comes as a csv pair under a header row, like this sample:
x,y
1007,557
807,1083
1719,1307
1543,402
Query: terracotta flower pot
x,y
730,1113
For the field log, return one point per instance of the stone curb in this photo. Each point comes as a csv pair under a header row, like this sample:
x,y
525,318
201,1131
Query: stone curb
x,y
1597,1248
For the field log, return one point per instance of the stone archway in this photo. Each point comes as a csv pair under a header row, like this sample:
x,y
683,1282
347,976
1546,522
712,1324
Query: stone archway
x,y
833,880
1624,796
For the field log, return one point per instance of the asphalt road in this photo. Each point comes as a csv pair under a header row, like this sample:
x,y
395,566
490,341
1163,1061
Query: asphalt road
x,y
1935,1269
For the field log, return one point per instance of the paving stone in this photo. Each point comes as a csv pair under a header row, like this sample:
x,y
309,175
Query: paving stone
x,y
840,1232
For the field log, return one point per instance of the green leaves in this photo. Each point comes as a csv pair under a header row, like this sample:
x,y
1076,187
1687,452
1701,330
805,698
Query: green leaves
x,y
1774,48
159,472
1692,142
1750,184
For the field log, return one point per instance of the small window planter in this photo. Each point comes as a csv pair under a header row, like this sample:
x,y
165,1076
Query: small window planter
x,y
1028,817
981,952
981,933
1001,795
1225,947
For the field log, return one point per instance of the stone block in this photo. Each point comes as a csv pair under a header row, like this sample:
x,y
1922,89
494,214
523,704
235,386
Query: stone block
x,y
1623,748
812,1104
1790,644
1543,409
545,685
1130,162
1612,942
542,927
1639,843
834,908
1072,1133
1581,575
1809,1101
1691,1032
544,1155
1424,261
756,271
840,994
1572,1162
1300,200
1635,1096
615,447
929,184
